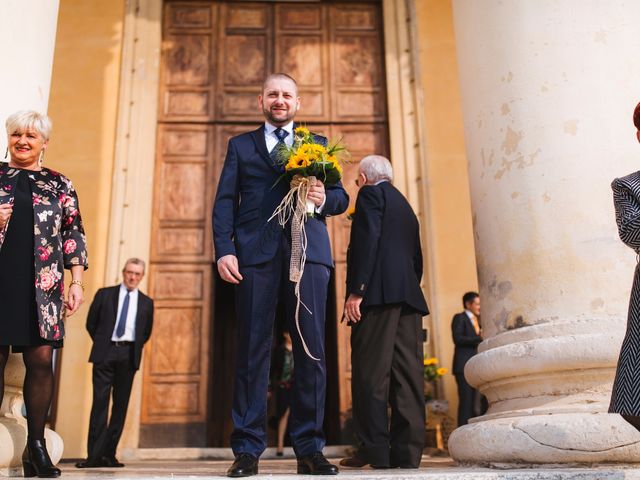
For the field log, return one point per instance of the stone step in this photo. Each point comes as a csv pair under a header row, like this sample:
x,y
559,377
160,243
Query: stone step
x,y
431,469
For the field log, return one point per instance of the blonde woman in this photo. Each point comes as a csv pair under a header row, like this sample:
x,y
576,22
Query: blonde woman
x,y
41,234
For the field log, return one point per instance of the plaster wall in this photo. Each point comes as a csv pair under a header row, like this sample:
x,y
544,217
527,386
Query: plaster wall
x,y
83,107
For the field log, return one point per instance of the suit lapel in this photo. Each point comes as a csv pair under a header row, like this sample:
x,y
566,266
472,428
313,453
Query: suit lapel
x,y
261,146
141,316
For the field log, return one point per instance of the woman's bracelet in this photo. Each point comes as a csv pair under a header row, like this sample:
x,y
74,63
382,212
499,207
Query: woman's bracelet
x,y
77,282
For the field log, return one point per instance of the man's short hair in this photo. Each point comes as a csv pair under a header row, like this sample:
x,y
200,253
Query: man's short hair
x,y
278,75
135,261
469,297
636,116
376,168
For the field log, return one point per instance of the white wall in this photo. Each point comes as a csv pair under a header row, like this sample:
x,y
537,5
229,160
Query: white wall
x,y
27,41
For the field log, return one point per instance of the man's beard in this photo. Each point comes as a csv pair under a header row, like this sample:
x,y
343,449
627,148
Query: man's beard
x,y
275,121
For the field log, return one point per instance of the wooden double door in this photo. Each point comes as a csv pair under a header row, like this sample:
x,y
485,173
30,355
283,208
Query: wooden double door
x,y
215,55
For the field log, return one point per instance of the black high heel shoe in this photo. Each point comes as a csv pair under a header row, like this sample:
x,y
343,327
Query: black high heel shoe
x,y
36,461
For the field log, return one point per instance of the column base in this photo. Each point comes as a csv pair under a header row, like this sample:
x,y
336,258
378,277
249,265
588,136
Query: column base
x,y
563,438
13,436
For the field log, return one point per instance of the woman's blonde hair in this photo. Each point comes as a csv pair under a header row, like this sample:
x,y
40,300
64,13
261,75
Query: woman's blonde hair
x,y
26,119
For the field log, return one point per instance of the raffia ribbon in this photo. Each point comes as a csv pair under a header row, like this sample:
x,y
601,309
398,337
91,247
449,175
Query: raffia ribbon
x,y
294,206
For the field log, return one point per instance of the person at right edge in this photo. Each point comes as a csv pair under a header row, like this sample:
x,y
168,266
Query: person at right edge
x,y
384,307
625,396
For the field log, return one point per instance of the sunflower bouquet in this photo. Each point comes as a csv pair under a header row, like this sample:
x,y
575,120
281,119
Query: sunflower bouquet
x,y
307,161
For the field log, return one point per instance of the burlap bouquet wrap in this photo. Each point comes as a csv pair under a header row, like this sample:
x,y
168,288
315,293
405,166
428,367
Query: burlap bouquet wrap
x,y
294,207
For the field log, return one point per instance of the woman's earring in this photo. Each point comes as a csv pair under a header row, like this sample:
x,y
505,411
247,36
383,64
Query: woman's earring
x,y
6,154
41,158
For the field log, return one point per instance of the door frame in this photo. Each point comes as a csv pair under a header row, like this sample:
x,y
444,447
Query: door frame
x,y
132,185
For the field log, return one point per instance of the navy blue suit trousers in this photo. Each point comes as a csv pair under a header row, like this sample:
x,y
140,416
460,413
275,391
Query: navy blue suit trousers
x,y
257,297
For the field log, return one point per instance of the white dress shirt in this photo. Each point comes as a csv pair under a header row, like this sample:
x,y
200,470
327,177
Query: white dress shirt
x,y
272,139
130,326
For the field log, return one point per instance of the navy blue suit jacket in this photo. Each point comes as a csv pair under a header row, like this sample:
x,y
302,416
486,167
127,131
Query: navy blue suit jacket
x,y
247,197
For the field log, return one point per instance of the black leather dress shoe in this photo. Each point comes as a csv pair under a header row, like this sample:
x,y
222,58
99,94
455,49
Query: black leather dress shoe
x,y
353,462
91,463
245,465
316,464
112,462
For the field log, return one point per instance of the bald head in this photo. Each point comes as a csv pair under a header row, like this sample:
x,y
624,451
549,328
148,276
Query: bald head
x,y
279,76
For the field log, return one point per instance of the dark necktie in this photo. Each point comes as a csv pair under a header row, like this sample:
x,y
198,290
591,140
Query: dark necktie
x,y
122,321
281,134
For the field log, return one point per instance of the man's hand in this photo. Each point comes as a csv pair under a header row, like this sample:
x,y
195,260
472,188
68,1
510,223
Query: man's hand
x,y
316,193
352,308
5,213
228,269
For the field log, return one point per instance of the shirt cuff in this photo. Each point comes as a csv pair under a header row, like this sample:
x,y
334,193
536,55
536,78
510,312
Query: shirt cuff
x,y
319,209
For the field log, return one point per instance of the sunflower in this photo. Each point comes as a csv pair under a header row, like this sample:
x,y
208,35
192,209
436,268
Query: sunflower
x,y
297,161
302,131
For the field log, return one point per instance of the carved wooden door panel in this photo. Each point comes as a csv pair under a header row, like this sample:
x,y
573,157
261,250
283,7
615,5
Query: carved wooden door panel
x,y
215,55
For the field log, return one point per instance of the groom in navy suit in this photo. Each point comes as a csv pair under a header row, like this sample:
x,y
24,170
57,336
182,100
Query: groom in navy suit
x,y
253,253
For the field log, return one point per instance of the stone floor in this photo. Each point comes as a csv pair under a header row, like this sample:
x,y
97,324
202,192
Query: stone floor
x,y
431,469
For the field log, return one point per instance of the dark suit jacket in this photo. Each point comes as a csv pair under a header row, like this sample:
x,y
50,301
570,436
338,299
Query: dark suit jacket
x,y
102,320
384,260
465,339
247,196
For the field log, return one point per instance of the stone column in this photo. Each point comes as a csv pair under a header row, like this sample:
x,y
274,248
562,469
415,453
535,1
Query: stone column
x,y
27,41
548,90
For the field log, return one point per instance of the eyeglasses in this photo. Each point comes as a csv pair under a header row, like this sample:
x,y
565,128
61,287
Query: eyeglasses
x,y
357,182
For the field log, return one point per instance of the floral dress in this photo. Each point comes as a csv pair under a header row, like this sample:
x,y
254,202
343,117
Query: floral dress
x,y
56,241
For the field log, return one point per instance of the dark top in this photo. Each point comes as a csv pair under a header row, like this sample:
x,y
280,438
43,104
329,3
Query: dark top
x,y
465,339
102,320
18,315
384,259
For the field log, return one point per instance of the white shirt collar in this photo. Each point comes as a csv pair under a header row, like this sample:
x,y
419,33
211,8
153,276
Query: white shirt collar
x,y
381,181
124,288
269,129
469,314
